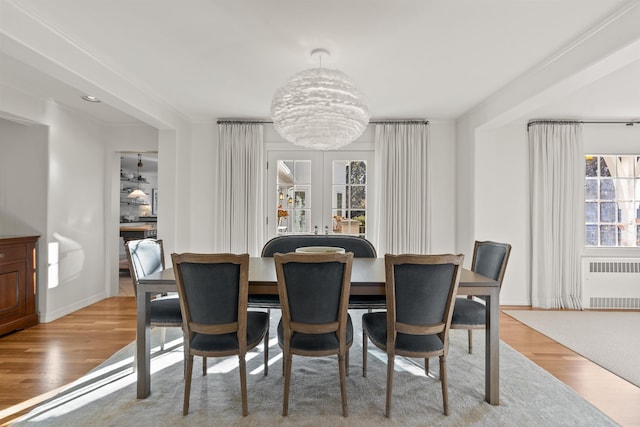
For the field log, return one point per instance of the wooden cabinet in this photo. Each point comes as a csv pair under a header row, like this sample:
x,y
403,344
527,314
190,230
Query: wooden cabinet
x,y
17,283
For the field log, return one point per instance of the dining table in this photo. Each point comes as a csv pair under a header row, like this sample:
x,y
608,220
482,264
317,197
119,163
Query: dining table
x,y
367,278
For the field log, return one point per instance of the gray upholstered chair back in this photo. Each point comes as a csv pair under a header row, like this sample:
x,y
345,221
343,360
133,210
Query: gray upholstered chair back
x,y
361,248
145,256
314,291
211,291
422,292
314,288
490,259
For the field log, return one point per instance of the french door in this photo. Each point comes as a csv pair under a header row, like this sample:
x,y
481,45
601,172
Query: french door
x,y
323,192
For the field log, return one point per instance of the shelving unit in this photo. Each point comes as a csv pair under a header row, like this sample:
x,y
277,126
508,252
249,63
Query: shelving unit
x,y
124,192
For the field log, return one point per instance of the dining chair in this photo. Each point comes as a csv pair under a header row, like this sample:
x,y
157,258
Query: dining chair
x,y
489,259
213,290
146,256
420,290
314,294
360,247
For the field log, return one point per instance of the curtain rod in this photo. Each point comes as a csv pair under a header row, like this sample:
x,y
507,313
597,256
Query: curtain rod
x,y
586,122
426,122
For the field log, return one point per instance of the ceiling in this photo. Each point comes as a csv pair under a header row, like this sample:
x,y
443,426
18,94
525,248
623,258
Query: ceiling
x,y
208,59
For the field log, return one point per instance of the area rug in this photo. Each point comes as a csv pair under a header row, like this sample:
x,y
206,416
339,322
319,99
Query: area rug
x,y
609,339
529,396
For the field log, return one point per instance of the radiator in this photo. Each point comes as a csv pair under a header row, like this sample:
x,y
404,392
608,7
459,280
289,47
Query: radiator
x,y
612,283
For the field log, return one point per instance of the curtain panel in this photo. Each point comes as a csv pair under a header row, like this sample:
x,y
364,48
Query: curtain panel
x,y
240,224
556,157
403,219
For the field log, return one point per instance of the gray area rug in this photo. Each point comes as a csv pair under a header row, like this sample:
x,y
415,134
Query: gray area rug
x,y
610,339
529,395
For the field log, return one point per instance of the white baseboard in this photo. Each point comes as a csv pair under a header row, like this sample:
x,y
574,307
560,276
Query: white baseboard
x,y
50,317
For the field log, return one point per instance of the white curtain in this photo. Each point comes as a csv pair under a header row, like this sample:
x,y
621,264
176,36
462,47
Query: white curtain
x,y
403,209
240,224
557,219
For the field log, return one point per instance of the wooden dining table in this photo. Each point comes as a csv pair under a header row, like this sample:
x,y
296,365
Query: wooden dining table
x,y
367,278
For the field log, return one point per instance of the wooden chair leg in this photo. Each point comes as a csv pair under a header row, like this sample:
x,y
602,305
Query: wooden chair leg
x,y
187,383
287,381
346,360
243,384
443,381
342,368
426,366
204,366
470,342
365,341
390,363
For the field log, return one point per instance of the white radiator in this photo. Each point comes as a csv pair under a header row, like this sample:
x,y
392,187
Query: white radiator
x,y
611,283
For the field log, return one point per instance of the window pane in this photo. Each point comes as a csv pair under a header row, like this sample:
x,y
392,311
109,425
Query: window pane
x,y
591,212
591,235
623,188
591,166
604,168
591,189
339,198
608,212
302,172
358,172
358,197
607,190
608,235
340,171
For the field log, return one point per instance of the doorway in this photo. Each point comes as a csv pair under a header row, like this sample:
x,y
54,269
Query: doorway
x,y
138,207
321,192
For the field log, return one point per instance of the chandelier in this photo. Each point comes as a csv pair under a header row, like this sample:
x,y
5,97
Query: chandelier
x,y
319,108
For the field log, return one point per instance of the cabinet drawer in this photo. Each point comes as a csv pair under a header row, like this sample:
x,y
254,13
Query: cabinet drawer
x,y
12,253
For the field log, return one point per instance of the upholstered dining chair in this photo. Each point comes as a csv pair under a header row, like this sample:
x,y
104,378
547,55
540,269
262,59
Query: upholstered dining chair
x,y
146,256
421,290
314,294
489,259
213,290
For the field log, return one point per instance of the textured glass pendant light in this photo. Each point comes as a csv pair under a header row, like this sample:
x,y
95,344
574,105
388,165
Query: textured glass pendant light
x,y
319,108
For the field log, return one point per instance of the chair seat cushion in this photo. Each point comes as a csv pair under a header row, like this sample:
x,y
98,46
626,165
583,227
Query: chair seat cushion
x,y
315,342
375,326
257,325
166,310
468,312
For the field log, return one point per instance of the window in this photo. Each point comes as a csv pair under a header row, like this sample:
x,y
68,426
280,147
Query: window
x,y
612,200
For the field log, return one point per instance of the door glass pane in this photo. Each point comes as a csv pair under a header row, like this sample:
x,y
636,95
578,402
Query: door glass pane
x,y
293,193
349,197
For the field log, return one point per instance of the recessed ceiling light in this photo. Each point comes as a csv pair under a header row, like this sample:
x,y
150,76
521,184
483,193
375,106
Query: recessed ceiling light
x,y
90,98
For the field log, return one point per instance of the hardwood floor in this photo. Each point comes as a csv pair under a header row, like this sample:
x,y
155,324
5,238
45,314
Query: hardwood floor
x,y
36,362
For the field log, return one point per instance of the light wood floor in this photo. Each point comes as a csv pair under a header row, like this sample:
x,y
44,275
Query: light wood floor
x,y
37,362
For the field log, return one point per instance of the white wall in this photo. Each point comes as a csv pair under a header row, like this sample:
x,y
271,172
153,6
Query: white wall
x,y
24,167
76,211
443,165
502,203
